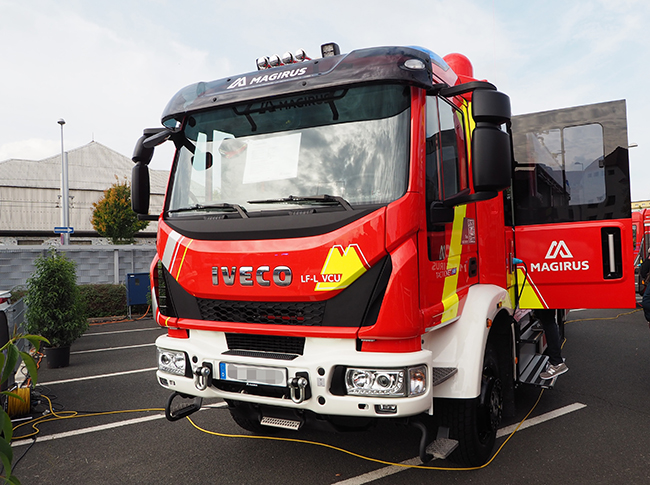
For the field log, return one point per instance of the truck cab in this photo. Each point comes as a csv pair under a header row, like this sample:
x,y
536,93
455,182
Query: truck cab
x,y
351,239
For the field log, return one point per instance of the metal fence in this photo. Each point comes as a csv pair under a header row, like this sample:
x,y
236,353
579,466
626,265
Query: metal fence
x,y
95,264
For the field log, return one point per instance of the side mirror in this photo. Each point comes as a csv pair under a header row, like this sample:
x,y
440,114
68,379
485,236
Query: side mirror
x,y
142,155
140,188
491,146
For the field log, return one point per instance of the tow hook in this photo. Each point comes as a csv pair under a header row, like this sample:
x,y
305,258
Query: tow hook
x,y
297,387
201,376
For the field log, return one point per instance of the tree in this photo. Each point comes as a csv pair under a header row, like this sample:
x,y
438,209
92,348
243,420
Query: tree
x,y
113,216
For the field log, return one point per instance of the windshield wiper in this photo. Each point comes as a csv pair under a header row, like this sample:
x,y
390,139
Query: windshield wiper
x,y
224,207
317,199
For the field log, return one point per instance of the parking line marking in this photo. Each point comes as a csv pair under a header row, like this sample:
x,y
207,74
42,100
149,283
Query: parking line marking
x,y
92,334
391,470
112,348
541,418
100,376
103,427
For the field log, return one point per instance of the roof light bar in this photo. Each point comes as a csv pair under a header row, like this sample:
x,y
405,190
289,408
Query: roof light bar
x,y
287,58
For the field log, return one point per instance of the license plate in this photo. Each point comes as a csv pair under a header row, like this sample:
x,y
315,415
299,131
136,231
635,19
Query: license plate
x,y
251,374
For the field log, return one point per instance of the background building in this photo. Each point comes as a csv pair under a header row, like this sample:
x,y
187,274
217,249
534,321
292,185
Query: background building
x,y
30,195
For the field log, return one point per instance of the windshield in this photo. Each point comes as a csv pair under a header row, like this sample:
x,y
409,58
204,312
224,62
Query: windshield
x,y
347,143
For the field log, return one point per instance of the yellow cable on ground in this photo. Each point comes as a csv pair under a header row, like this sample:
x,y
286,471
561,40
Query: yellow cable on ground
x,y
603,318
375,460
54,416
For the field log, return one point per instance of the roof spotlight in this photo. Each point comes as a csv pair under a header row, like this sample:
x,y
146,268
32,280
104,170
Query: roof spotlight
x,y
262,63
301,55
275,60
288,58
330,50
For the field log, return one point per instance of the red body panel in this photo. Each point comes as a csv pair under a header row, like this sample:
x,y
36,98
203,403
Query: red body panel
x,y
567,269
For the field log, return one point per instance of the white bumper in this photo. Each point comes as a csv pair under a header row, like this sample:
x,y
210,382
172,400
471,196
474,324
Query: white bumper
x,y
319,359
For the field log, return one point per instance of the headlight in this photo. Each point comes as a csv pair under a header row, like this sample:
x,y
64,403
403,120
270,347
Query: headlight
x,y
386,382
171,361
375,382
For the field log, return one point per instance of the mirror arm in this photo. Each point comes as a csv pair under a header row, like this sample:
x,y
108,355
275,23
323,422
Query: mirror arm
x,y
466,88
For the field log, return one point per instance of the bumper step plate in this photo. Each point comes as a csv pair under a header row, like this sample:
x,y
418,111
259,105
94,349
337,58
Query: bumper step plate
x,y
441,448
281,423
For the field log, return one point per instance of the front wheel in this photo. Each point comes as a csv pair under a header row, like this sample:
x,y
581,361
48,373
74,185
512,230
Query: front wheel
x,y
474,422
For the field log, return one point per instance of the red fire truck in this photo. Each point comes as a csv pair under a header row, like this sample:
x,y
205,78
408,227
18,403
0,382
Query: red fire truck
x,y
362,237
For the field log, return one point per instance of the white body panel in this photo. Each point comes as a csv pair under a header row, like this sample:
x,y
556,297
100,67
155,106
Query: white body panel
x,y
461,344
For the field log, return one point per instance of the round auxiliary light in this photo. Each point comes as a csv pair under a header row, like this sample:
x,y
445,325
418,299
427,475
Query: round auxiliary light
x,y
262,63
288,58
415,64
301,55
275,60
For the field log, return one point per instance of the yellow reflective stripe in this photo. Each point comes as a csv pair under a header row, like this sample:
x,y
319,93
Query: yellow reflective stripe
x,y
183,258
449,291
167,321
529,297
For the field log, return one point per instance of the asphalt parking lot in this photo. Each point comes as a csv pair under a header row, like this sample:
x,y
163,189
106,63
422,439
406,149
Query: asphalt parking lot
x,y
109,425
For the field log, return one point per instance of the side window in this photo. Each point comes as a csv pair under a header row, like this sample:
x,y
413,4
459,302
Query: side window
x,y
446,163
561,171
453,153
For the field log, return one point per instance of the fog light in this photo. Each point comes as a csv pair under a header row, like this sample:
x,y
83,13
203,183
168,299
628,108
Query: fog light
x,y
171,361
386,408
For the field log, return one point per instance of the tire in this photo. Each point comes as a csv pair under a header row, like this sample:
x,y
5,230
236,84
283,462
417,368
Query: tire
x,y
474,422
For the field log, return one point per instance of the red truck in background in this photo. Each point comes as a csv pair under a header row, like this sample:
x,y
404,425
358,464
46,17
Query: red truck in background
x,y
363,236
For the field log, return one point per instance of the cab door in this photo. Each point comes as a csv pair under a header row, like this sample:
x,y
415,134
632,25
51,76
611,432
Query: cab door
x,y
571,207
448,247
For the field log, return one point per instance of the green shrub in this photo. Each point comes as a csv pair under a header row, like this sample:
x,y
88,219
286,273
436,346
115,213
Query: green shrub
x,y
54,309
103,300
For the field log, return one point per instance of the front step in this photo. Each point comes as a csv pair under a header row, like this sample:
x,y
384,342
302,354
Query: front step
x,y
281,423
530,375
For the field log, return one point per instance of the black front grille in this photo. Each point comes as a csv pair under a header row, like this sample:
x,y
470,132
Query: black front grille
x,y
266,343
281,313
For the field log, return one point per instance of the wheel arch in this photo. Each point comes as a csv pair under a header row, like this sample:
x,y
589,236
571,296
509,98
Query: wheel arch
x,y
461,344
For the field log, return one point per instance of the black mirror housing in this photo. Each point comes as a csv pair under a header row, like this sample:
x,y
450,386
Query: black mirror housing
x,y
141,154
491,158
490,106
140,188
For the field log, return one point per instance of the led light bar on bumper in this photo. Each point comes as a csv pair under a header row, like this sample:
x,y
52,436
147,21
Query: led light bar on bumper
x,y
172,362
400,382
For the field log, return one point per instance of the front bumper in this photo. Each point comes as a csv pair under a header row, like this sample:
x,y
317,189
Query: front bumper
x,y
320,364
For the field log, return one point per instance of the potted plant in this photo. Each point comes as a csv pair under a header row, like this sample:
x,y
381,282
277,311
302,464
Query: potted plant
x,y
54,309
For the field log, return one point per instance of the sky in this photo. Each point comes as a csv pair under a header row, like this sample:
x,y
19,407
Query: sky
x,y
109,68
